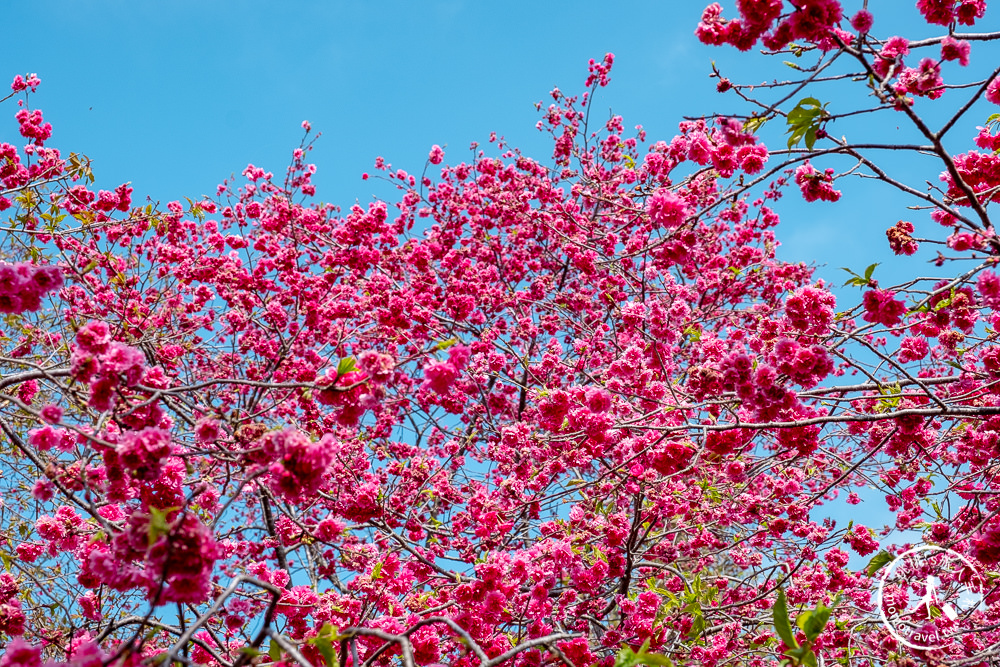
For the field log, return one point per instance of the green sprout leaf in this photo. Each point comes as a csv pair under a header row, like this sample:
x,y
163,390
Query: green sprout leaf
x,y
782,624
880,560
158,524
346,365
274,650
804,121
629,658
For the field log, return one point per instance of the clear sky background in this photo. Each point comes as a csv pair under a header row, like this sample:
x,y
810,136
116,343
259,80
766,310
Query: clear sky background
x,y
176,96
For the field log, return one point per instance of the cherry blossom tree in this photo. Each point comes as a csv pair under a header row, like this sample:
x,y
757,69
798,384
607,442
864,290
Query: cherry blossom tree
x,y
569,410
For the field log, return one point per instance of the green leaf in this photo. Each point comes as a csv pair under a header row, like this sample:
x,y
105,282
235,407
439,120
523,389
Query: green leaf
x,y
753,124
377,570
810,138
804,121
816,622
803,618
697,627
800,656
629,658
870,270
274,651
693,332
880,560
782,625
158,524
346,365
326,649
445,344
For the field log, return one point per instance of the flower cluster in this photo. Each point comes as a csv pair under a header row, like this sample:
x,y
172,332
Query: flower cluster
x,y
24,82
881,307
862,540
104,364
900,240
815,185
142,452
666,209
813,20
803,364
299,464
33,126
11,616
439,376
23,285
946,12
266,388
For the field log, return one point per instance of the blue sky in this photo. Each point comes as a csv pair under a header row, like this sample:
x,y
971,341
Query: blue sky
x,y
176,96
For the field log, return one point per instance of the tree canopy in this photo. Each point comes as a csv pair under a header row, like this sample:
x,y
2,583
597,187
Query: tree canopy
x,y
532,411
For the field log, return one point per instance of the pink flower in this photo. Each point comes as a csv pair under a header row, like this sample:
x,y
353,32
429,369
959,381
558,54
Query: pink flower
x,y
955,49
45,438
300,466
182,560
913,348
752,158
816,185
440,375
881,307
900,240
862,21
33,126
894,48
20,653
436,154
969,10
93,337
207,430
666,209
861,540
43,490
142,452
19,84
939,12
52,413
987,140
29,551
988,285
27,391
993,91
712,28
803,364
23,285
986,547
925,80
84,651
377,366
